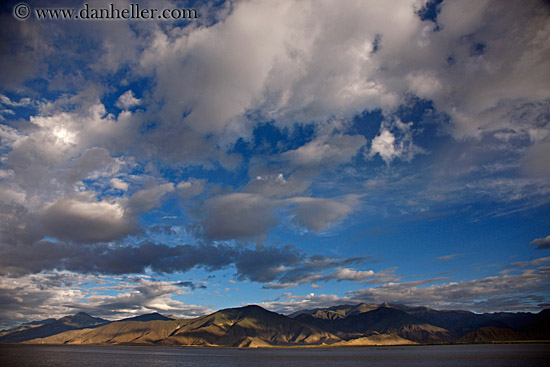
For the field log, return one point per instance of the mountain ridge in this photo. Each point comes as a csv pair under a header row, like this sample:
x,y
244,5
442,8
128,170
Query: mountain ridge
x,y
253,326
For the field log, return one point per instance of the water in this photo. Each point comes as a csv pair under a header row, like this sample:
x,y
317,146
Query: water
x,y
505,355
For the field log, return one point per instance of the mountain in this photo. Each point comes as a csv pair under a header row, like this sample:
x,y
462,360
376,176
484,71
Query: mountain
x,y
246,326
232,327
49,327
426,325
382,320
119,332
253,326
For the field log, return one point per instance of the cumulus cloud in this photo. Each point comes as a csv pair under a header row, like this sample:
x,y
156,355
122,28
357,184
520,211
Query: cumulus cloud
x,y
127,100
190,188
394,141
119,184
247,216
82,221
238,216
352,274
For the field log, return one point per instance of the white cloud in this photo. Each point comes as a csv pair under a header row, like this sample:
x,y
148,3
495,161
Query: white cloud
x,y
119,184
127,100
394,141
326,150
352,274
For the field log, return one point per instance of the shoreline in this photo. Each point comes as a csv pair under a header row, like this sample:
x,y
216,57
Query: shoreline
x,y
511,342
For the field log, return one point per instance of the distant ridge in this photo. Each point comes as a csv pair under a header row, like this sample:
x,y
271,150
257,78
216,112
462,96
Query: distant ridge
x,y
147,317
48,327
254,327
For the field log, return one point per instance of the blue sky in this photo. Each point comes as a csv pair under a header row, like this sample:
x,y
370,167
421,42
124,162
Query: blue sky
x,y
287,154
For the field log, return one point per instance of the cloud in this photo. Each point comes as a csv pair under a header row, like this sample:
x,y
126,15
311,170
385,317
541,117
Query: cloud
x,y
237,216
247,216
190,188
517,292
318,214
541,243
90,161
394,141
266,264
326,150
448,257
535,162
127,100
318,268
80,165
352,274
291,303
527,264
147,199
481,295
60,293
119,184
77,220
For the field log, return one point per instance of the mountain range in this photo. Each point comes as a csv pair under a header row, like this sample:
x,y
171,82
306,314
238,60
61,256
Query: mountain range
x,y
253,326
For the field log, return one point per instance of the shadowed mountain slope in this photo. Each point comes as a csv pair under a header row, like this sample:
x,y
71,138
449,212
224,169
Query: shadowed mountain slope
x,y
79,321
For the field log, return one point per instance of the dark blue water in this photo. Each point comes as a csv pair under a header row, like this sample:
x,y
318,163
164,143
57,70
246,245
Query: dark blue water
x,y
510,355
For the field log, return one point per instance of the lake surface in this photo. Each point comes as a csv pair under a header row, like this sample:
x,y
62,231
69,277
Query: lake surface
x,y
512,355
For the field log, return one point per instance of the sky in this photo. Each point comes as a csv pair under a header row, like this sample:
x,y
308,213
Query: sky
x,y
290,154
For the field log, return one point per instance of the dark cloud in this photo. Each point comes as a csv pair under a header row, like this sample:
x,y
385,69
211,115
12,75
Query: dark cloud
x,y
191,285
113,259
267,263
237,216
81,221
285,264
541,243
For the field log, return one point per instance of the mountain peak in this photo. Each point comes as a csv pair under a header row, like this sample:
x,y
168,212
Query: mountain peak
x,y
154,316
